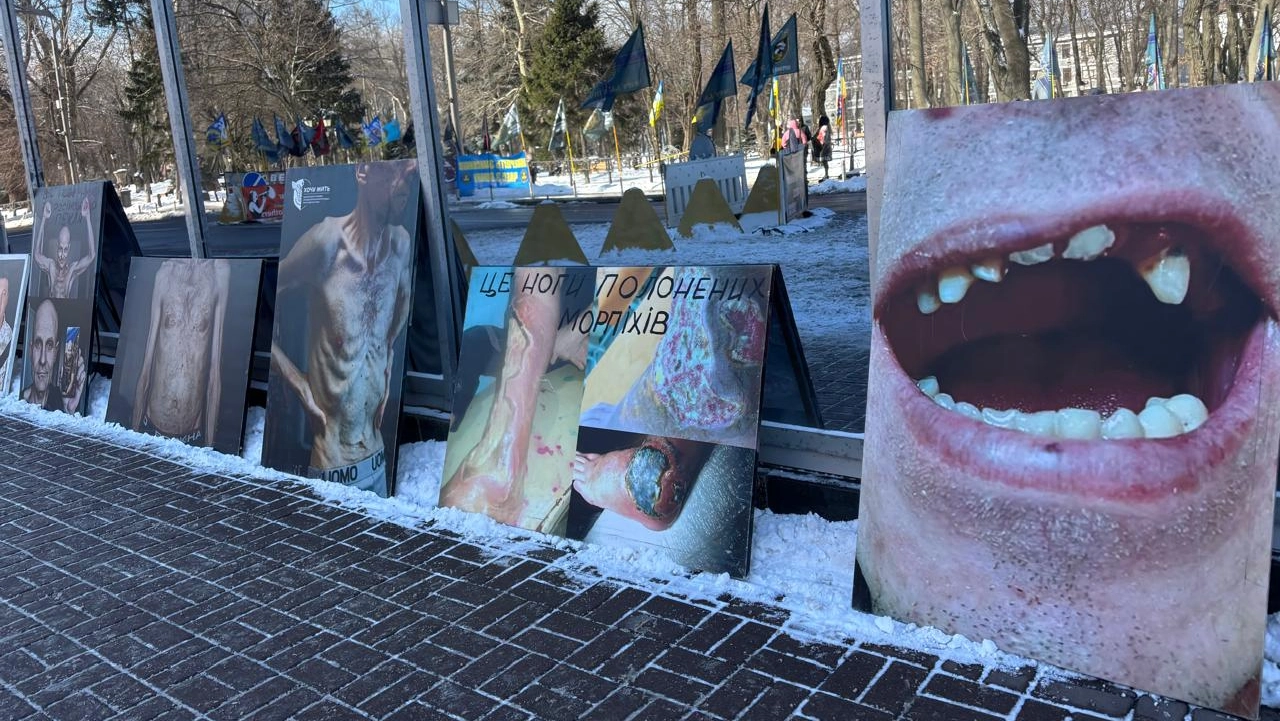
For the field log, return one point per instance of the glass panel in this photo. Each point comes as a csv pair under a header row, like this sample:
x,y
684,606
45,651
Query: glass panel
x,y
952,52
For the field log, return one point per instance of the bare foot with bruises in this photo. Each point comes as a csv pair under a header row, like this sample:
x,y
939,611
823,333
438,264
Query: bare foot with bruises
x,y
649,483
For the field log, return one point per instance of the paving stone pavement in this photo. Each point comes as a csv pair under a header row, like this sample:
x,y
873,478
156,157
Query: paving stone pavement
x,y
132,587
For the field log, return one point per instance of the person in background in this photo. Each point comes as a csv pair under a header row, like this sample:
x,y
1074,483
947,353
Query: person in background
x,y
822,146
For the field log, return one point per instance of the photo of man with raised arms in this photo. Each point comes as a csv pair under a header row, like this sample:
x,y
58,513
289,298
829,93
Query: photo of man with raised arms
x,y
343,299
183,358
67,263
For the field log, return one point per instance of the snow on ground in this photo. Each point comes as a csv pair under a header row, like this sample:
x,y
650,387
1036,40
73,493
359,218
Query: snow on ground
x,y
815,586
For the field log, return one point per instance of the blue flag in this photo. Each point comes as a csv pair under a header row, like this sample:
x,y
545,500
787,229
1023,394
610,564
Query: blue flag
x,y
721,83
630,73
763,66
785,52
216,135
1266,50
263,142
373,131
283,139
345,141
1155,64
970,84
391,131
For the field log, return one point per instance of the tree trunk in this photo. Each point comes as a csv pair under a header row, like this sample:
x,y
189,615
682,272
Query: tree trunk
x,y
954,65
522,39
824,61
915,45
1072,16
1198,56
1005,28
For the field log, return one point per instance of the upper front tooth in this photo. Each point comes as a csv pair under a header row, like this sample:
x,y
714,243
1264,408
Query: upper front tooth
x,y
1122,424
1168,274
1089,243
1079,424
927,301
928,385
990,270
1159,422
1189,410
1036,255
953,283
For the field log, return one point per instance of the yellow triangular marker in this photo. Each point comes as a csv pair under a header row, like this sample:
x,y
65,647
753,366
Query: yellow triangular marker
x,y
548,238
706,206
465,254
636,225
763,197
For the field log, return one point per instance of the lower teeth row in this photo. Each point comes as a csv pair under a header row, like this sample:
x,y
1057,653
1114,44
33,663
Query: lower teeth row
x,y
1161,418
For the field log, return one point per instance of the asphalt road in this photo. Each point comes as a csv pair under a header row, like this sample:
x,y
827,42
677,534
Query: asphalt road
x,y
168,237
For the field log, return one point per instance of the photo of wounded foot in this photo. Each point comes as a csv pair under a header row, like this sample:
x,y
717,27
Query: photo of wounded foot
x,y
701,378
517,399
690,499
1074,371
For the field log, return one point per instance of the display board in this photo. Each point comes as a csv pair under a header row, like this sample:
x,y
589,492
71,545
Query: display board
x,y
654,445
1071,430
14,271
253,197
182,361
65,249
518,395
671,413
343,295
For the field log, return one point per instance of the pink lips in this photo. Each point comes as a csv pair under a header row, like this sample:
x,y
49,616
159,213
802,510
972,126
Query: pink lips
x,y
1131,471
1134,471
994,235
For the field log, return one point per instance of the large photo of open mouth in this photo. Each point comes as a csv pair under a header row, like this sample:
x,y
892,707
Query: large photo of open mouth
x,y
1071,407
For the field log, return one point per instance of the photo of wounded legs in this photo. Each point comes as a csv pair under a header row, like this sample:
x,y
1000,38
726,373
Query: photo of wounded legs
x,y
517,435
702,380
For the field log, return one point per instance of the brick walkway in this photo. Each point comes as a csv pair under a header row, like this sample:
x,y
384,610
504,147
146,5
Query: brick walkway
x,y
135,588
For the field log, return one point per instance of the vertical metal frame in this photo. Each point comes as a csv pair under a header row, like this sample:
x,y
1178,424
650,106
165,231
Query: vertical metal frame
x,y
184,150
19,91
446,283
877,92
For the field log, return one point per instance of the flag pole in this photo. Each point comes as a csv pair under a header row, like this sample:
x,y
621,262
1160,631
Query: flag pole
x,y
568,146
528,160
618,154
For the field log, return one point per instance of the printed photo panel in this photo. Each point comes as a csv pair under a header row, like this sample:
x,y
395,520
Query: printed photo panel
x,y
342,306
14,270
1074,368
679,352
56,354
671,412
66,241
182,361
518,395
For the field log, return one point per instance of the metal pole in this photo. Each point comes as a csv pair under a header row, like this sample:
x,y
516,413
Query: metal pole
x,y
877,94
18,90
446,283
184,148
453,81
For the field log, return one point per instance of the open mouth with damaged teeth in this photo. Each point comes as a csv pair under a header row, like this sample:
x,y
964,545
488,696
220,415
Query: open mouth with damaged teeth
x,y
1121,330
